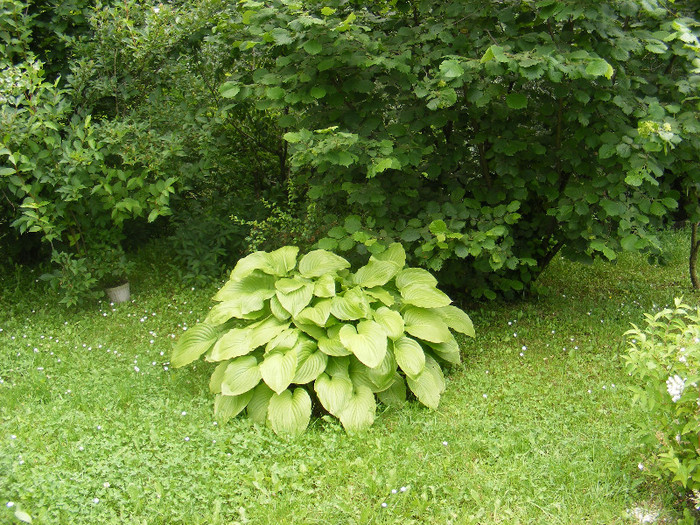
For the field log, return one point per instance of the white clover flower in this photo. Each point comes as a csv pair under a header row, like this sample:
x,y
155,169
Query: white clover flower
x,y
675,386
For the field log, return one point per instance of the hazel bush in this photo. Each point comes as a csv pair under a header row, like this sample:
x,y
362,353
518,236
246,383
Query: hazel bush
x,y
286,328
664,362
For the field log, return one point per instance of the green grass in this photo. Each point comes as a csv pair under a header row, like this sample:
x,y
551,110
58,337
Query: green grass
x,y
96,428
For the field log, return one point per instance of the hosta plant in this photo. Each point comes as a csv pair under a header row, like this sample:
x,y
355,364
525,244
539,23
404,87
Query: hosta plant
x,y
286,327
664,361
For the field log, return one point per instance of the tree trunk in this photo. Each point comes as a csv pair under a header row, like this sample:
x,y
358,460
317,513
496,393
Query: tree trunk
x,y
694,245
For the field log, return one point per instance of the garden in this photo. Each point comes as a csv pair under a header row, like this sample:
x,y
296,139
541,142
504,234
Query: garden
x,y
396,261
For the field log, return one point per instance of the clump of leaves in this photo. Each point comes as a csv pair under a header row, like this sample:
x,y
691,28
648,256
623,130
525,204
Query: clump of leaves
x,y
283,326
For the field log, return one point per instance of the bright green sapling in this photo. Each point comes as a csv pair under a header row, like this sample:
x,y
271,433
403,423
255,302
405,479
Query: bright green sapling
x,y
284,326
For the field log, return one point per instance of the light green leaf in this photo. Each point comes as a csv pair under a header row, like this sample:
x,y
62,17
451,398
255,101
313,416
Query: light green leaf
x,y
234,343
317,314
382,376
494,53
449,351
516,101
281,36
332,347
429,384
375,273
391,321
23,516
409,356
223,312
629,242
368,343
359,411
316,332
325,286
599,67
451,69
275,93
291,284
283,260
395,253
380,294
456,319
415,276
313,47
285,340
350,306
229,89
424,296
294,302
319,262
289,413
425,324
257,407
226,407
333,392
395,395
217,377
242,374
193,343
249,292
278,368
278,310
327,11
248,264
264,331
310,362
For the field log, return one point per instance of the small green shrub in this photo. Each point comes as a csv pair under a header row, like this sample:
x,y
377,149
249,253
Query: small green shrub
x,y
283,327
664,360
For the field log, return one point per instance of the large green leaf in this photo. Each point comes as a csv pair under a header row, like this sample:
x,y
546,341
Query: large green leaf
x,y
449,351
317,314
223,312
226,407
360,374
234,343
411,276
193,343
375,273
333,392
456,319
425,324
285,340
380,294
395,253
283,260
278,368
424,296
217,377
382,376
428,385
289,413
242,374
264,331
248,294
358,413
391,321
319,262
395,395
350,306
332,347
250,263
409,356
316,332
295,301
278,310
311,362
368,342
325,286
290,284
257,407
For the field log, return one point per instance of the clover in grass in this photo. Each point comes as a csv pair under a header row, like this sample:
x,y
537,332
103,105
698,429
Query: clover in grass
x,y
284,326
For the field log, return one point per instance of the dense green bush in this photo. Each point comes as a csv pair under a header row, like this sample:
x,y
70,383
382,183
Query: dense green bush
x,y
284,328
664,362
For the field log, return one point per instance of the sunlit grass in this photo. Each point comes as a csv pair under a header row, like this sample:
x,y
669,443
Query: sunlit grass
x,y
536,425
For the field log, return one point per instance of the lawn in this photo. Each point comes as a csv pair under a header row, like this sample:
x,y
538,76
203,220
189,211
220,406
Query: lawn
x,y
536,425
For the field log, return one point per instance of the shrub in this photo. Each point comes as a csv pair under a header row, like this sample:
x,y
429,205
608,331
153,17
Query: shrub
x,y
285,328
664,360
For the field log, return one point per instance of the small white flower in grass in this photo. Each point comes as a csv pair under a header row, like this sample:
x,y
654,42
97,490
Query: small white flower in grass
x,y
640,466
384,505
515,334
13,436
81,448
510,323
485,396
521,354
444,443
137,369
96,500
99,427
187,438
524,347
10,504
394,491
403,489
183,413
675,386
106,484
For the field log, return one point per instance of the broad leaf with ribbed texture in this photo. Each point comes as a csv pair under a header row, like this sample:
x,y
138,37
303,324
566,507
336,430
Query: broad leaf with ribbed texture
x,y
311,362
317,314
375,273
319,262
249,293
193,343
381,295
382,376
250,263
226,407
424,296
395,253
456,319
448,351
278,369
332,347
278,310
234,343
257,407
242,374
217,377
425,324
264,331
295,301
428,385
222,312
325,286
411,276
395,395
350,306
333,392
409,356
283,260
310,329
391,321
285,340
359,411
368,342
289,413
